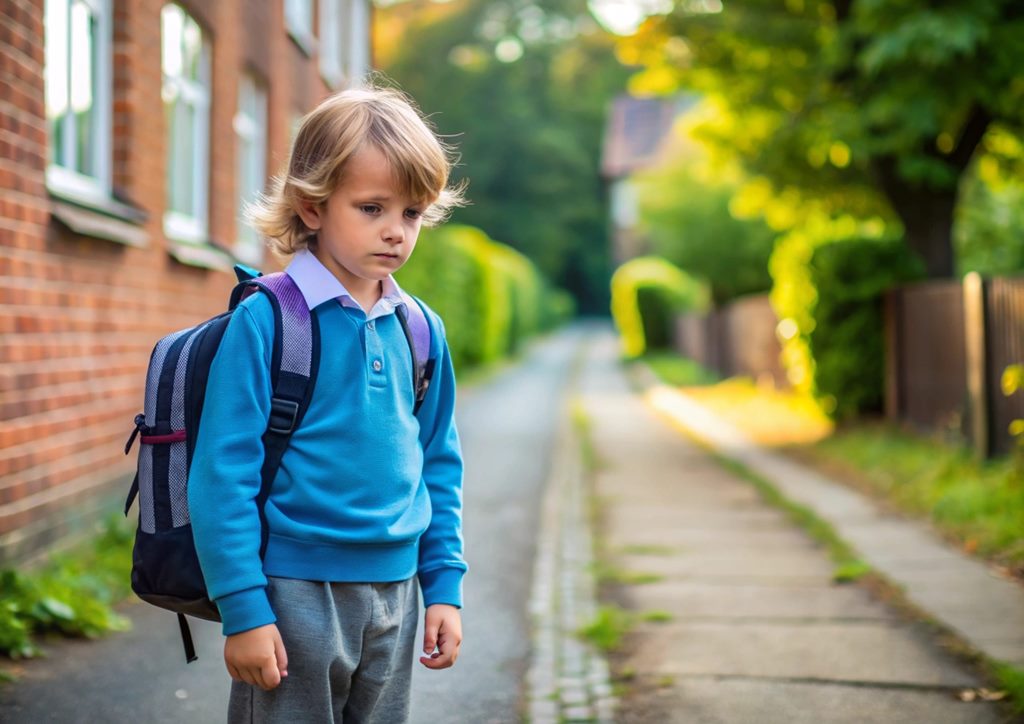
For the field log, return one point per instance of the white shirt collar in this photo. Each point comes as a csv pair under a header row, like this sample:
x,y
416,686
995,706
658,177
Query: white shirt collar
x,y
318,285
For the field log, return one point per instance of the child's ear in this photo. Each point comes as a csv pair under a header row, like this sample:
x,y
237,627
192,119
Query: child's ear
x,y
309,212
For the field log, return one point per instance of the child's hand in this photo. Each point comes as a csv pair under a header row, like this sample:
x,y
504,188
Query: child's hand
x,y
443,630
257,657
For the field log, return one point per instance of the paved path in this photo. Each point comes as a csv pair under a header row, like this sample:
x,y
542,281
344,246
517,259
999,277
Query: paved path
x,y
507,425
758,631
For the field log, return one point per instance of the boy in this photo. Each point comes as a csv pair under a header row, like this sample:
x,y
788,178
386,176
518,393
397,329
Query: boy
x,y
368,496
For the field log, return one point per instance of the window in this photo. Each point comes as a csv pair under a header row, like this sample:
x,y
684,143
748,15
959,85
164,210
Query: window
x,y
358,41
333,23
78,50
298,19
186,96
251,128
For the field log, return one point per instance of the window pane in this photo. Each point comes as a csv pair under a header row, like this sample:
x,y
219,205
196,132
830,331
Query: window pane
x,y
192,45
83,84
171,21
56,73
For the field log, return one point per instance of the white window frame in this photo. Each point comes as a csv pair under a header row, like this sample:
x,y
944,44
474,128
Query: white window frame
x,y
333,21
298,21
190,96
358,64
61,176
250,124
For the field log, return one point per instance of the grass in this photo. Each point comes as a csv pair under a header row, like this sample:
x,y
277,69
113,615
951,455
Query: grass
x,y
848,566
978,505
608,573
676,370
608,627
648,550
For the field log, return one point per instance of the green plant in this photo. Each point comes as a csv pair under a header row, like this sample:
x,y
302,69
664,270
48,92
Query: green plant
x,y
647,292
828,295
656,616
607,628
491,297
71,595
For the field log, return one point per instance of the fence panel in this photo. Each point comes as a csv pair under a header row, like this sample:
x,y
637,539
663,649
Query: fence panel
x,y
1005,332
929,356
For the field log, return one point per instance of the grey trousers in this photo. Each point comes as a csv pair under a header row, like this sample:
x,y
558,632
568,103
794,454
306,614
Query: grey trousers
x,y
350,649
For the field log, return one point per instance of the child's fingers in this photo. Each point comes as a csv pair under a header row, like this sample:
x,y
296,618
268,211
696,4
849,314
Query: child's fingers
x,y
430,629
282,656
269,675
446,655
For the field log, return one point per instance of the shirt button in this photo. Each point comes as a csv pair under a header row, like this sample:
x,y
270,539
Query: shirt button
x,y
377,365
370,325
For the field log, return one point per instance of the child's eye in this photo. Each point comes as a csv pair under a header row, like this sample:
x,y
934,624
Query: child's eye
x,y
369,208
413,213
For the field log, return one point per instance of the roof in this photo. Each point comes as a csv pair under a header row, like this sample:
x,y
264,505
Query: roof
x,y
636,131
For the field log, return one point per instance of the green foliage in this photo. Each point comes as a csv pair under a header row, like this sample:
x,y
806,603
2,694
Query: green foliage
x,y
799,285
846,339
608,628
490,297
685,212
528,130
872,108
988,234
647,292
72,595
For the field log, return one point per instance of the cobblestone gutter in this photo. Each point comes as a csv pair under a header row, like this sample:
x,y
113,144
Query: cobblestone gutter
x,y
568,679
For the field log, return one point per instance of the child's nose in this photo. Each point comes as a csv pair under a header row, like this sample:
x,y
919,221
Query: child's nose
x,y
393,233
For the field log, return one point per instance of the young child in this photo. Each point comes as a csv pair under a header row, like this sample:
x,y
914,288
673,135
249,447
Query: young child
x,y
368,497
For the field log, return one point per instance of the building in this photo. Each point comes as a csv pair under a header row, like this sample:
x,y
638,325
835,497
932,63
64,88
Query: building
x,y
635,136
131,134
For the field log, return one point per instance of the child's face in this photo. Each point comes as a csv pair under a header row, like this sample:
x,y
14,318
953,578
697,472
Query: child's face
x,y
366,229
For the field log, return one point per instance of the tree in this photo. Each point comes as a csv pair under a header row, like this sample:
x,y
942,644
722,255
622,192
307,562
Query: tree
x,y
521,88
865,108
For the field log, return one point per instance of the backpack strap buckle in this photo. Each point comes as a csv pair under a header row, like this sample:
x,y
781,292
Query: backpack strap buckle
x,y
283,416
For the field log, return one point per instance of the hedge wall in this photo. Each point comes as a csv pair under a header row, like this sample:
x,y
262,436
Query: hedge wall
x,y
647,293
490,296
828,295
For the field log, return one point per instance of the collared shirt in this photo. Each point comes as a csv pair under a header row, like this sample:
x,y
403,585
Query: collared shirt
x,y
319,285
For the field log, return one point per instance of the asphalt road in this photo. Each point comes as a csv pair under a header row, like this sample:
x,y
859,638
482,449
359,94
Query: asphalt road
x,y
508,425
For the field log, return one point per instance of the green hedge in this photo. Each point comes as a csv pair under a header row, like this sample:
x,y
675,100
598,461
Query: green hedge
x,y
647,293
829,296
490,296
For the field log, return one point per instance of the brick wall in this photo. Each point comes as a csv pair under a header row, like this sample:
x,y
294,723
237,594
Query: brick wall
x,y
79,314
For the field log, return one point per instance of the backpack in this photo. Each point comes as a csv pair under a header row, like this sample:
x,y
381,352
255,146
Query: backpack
x,y
165,566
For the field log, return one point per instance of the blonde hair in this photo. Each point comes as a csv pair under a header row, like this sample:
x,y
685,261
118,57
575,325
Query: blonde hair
x,y
328,138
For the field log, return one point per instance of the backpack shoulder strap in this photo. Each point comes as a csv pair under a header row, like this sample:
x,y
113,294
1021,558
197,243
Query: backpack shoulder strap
x,y
418,332
294,364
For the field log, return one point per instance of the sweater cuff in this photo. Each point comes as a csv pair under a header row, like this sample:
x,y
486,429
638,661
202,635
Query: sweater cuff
x,y
442,585
245,610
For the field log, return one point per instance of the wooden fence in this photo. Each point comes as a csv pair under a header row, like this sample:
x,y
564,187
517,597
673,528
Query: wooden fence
x,y
947,346
737,339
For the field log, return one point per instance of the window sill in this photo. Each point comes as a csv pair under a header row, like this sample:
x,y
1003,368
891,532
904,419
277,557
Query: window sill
x,y
204,255
304,40
105,218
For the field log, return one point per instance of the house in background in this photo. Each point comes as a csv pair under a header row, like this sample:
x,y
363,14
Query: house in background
x,y
131,135
636,133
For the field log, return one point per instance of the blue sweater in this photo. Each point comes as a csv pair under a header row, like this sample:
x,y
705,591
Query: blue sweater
x,y
366,490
